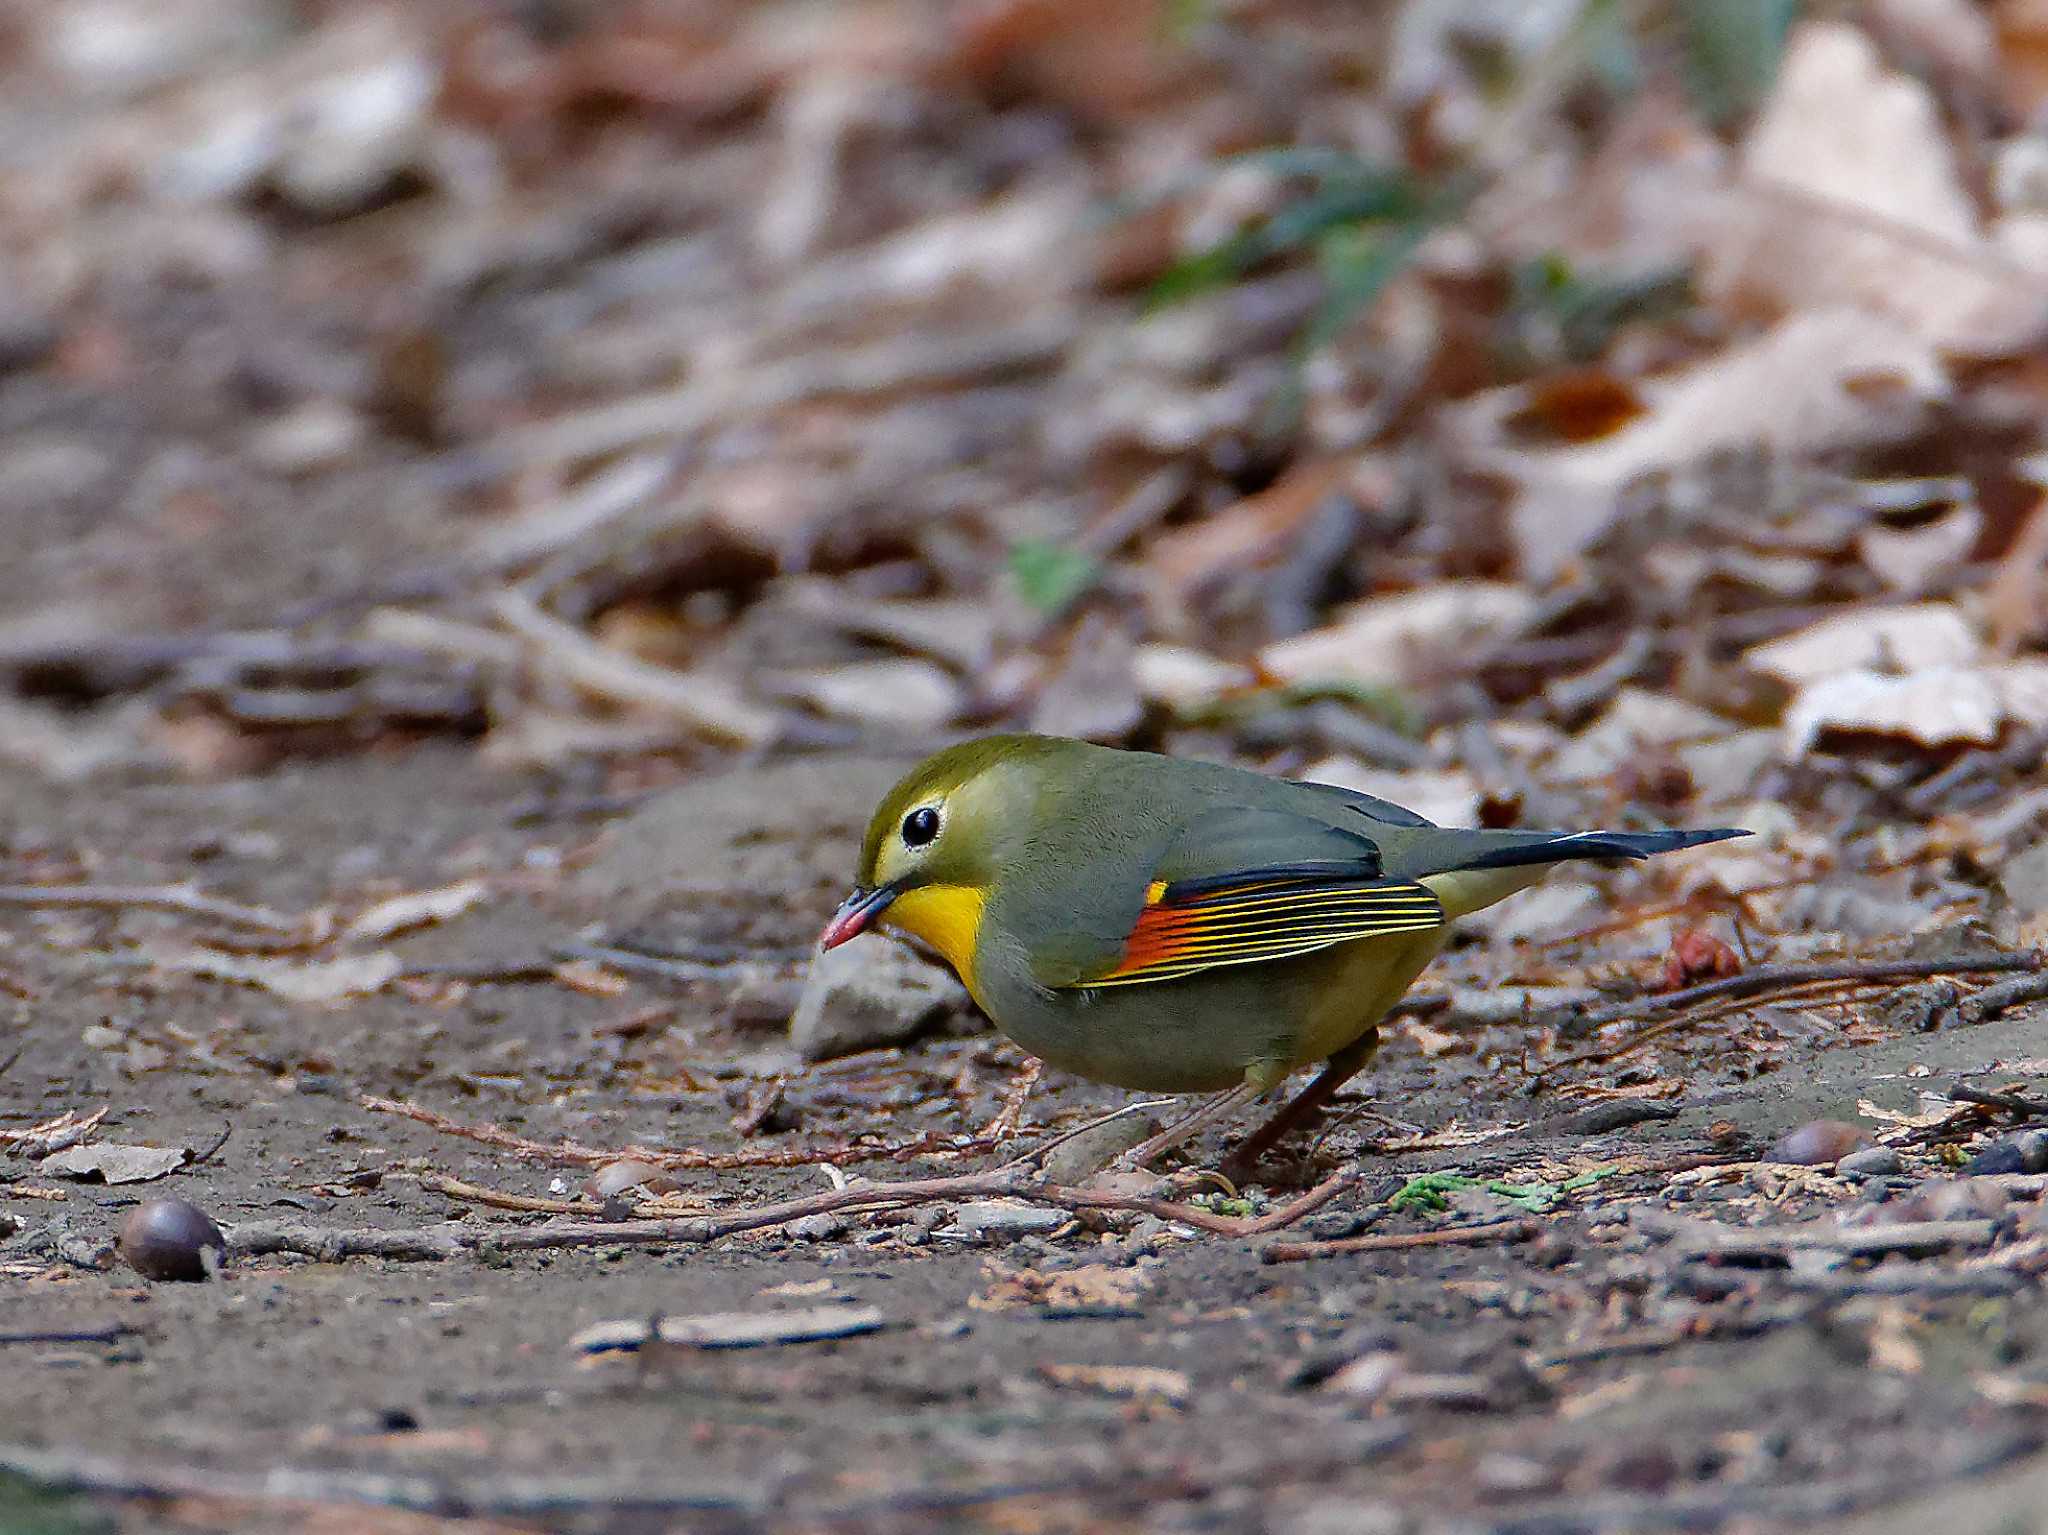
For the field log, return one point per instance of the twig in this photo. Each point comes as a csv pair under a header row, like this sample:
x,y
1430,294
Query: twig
x,y
707,703
111,1332
1013,1181
1770,978
2012,1103
182,899
576,1154
673,968
52,1135
1712,1239
1004,1125
221,1140
1456,1236
531,1204
1995,999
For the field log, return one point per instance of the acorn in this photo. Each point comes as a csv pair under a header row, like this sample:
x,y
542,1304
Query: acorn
x,y
171,1239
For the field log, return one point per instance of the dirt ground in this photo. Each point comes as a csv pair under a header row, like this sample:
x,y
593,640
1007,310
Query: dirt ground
x,y
1586,1379
385,554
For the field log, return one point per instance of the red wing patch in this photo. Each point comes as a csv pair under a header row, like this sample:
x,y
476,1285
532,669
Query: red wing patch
x,y
1263,919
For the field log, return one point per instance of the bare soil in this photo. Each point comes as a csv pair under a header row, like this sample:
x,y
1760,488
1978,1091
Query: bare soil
x,y
1588,1379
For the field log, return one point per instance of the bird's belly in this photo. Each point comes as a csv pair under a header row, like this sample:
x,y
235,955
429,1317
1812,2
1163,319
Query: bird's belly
x,y
1186,1036
1205,1032
1358,983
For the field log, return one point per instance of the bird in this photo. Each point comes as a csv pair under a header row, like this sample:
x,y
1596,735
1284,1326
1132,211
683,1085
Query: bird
x,y
1177,926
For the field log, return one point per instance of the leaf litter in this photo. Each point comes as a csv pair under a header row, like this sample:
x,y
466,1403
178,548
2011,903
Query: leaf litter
x,y
683,393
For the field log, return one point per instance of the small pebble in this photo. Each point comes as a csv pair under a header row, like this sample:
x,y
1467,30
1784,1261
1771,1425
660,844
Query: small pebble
x,y
2024,1153
1819,1143
818,1228
1870,1162
171,1239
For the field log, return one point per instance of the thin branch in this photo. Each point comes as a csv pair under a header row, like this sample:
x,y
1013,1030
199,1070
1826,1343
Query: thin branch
x,y
576,1154
1004,1125
2011,1103
530,1204
1456,1236
182,899
1995,999
110,1332
1770,978
707,703
1014,1181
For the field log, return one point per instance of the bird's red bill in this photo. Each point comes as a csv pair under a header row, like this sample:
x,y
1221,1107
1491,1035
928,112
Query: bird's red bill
x,y
856,914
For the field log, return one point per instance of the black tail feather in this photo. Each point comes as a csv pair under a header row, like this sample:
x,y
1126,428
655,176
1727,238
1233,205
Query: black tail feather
x,y
1557,846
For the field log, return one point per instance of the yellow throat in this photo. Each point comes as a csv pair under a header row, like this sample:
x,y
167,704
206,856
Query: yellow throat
x,y
948,917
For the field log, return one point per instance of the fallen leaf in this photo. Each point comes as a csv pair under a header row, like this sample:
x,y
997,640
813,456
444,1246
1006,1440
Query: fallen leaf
x,y
1183,561
1635,719
322,980
1092,1289
2017,599
417,909
111,1162
1391,641
52,1135
1901,639
1935,707
1849,193
902,691
1141,1381
591,978
1917,559
1801,388
1185,679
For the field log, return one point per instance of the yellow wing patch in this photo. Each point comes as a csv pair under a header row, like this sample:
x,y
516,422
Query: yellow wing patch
x,y
1263,920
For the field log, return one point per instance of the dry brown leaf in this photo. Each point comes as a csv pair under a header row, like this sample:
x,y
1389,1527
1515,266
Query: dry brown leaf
x,y
1850,194
1915,559
1402,639
1902,640
1140,1381
1818,381
2017,600
309,981
1180,563
417,908
1090,1287
591,978
111,1162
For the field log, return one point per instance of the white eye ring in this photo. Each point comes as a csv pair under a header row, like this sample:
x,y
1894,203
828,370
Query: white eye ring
x,y
920,827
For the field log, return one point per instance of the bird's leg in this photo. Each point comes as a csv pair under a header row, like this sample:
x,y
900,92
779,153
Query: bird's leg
x,y
1341,1068
1227,1102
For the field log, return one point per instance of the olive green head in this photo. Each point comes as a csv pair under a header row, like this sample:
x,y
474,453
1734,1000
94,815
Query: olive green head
x,y
947,822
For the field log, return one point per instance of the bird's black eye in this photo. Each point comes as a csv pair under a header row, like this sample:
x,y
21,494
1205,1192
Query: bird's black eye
x,y
920,826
